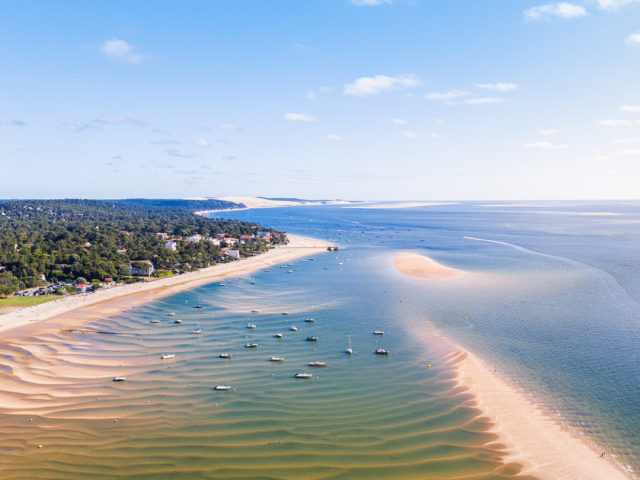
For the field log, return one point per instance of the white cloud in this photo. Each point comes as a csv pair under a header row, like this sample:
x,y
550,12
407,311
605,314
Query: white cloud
x,y
626,140
447,95
544,145
120,50
597,158
369,3
311,95
548,131
300,117
399,121
231,128
202,143
630,152
616,123
413,135
333,138
563,10
482,101
380,83
613,4
436,135
633,40
500,87
120,121
631,108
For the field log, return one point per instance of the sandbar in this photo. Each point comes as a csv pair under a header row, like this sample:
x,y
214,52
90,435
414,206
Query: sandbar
x,y
423,267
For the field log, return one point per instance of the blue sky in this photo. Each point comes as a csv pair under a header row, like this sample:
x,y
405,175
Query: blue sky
x,y
360,99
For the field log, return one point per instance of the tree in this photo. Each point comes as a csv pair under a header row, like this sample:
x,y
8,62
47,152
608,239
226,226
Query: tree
x,y
81,280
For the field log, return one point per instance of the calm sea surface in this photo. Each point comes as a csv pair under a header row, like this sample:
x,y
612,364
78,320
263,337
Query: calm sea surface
x,y
552,303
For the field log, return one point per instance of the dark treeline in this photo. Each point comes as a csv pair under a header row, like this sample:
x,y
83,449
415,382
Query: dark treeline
x,y
37,236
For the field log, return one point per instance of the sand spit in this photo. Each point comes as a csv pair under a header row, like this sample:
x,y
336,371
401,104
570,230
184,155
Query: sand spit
x,y
423,267
544,447
388,206
299,246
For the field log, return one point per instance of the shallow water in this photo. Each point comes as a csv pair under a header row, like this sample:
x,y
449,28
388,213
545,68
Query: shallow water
x,y
365,416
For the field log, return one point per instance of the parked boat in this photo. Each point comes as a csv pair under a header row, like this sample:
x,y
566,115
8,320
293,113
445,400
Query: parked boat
x,y
251,345
276,359
312,339
382,351
172,314
378,332
294,328
255,311
178,322
349,350
304,375
119,379
278,335
222,387
290,271
154,321
251,326
317,364
223,284
197,331
226,355
285,313
165,357
309,320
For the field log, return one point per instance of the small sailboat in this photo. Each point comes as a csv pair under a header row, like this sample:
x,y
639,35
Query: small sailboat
x,y
197,331
312,339
155,321
251,326
382,351
294,328
378,332
119,379
349,350
304,375
276,359
222,387
226,355
251,345
167,356
317,364
199,305
278,335
255,311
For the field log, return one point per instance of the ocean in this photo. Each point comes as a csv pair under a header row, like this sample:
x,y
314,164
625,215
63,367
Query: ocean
x,y
550,301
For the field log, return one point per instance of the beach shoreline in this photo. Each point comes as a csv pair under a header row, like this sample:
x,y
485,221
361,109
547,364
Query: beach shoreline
x,y
529,435
298,247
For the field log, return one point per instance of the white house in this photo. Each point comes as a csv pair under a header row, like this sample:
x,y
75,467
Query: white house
x,y
171,245
233,254
263,234
215,241
195,238
141,271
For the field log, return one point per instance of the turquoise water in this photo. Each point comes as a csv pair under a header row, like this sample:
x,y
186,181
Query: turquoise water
x,y
534,308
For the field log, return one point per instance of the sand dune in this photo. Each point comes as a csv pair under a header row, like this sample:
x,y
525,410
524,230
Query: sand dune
x,y
423,267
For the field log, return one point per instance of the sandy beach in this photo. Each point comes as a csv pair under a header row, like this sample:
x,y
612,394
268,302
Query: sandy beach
x,y
531,437
298,247
423,267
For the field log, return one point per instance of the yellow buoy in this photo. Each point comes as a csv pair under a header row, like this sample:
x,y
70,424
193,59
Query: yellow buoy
x,y
465,318
603,298
39,446
429,366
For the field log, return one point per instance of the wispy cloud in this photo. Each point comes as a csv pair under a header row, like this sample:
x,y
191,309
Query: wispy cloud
x,y
626,140
17,123
300,117
229,157
633,39
202,143
231,128
107,120
166,142
544,145
369,3
548,131
365,86
172,152
485,100
631,108
499,87
117,49
412,135
314,93
450,95
399,121
616,123
630,152
332,138
563,10
613,5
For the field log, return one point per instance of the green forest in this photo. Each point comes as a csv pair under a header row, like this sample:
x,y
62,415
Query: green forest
x,y
96,239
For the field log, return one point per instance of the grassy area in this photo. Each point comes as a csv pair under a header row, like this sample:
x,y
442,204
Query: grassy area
x,y
14,303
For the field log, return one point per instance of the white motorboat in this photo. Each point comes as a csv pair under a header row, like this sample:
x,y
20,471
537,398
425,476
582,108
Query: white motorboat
x,y
290,271
294,328
251,345
165,357
276,359
285,313
309,320
154,321
119,379
172,314
251,326
312,339
255,311
278,335
382,351
178,322
225,355
317,364
378,332
222,387
222,284
304,375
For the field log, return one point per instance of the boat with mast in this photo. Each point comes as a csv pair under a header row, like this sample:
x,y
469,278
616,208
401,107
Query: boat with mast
x,y
349,350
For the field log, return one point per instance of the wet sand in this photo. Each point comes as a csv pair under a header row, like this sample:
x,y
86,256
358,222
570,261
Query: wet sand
x,y
423,267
